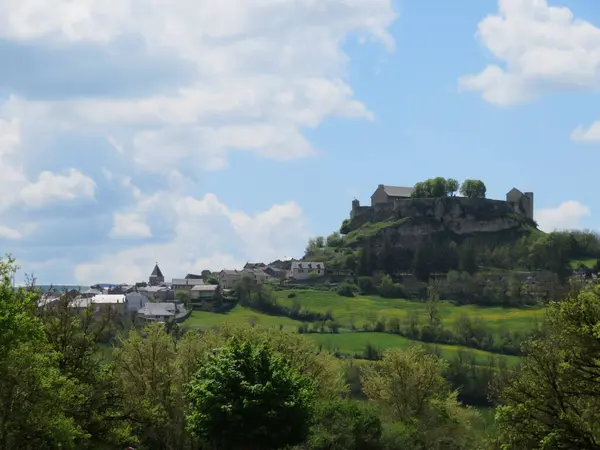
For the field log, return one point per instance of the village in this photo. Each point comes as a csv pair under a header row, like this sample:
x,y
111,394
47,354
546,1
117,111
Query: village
x,y
157,300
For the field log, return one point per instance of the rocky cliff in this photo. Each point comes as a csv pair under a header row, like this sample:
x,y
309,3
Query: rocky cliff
x,y
407,221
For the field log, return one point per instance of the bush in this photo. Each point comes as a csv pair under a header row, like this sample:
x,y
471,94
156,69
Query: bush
x,y
346,290
389,289
366,285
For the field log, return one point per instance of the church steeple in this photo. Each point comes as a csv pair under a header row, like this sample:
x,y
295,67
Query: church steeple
x,y
156,277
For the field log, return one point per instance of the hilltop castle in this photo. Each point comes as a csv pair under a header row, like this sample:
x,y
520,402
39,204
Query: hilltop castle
x,y
397,197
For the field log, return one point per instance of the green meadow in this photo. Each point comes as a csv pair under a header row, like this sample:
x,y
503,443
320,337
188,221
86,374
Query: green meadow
x,y
370,308
355,343
364,309
239,315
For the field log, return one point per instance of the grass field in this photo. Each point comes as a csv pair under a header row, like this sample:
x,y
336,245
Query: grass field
x,y
355,343
365,309
345,342
239,315
586,262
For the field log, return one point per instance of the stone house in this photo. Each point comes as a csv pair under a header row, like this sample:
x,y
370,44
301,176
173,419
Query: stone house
x,y
204,292
387,194
249,265
228,278
159,293
185,283
276,272
258,275
302,270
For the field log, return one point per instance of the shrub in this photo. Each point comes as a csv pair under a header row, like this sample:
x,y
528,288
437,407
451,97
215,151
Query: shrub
x,y
346,290
366,285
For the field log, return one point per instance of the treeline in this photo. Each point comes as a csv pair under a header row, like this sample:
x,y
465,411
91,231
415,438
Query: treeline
x,y
551,252
473,379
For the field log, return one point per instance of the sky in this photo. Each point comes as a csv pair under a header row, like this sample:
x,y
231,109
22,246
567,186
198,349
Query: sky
x,y
202,134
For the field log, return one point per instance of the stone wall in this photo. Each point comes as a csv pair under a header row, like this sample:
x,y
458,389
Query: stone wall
x,y
459,214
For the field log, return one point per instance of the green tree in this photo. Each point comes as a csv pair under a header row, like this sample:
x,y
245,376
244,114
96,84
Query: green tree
x,y
553,401
467,261
247,397
149,380
345,425
422,261
409,387
366,285
473,189
334,240
452,187
36,398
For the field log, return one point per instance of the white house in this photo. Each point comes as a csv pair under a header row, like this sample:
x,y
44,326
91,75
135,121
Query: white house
x,y
158,312
302,270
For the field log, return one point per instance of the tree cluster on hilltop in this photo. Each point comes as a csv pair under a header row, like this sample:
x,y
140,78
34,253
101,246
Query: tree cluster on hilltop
x,y
445,187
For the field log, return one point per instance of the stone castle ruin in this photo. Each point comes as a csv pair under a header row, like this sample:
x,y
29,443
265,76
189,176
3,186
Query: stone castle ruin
x,y
396,201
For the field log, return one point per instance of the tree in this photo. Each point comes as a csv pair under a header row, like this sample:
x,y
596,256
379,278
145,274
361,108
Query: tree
x,y
345,425
149,380
452,187
473,189
334,240
422,263
554,399
36,398
409,387
466,258
247,397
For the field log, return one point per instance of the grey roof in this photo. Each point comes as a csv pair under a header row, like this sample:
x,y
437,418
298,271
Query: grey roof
x,y
307,265
205,287
92,291
398,191
153,289
229,272
187,281
157,309
156,272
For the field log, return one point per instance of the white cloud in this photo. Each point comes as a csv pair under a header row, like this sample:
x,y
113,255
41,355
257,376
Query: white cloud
x,y
48,188
129,225
9,233
262,72
541,48
567,215
589,134
56,188
206,235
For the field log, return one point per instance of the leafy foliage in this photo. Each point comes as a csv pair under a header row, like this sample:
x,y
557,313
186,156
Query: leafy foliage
x,y
258,397
553,401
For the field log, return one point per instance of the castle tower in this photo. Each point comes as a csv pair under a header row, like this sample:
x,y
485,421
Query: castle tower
x,y
355,206
156,277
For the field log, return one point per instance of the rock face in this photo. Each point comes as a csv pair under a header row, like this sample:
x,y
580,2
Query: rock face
x,y
408,220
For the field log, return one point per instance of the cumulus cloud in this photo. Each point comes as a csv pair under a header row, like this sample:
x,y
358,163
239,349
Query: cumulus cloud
x,y
567,215
168,91
539,48
587,134
206,235
48,188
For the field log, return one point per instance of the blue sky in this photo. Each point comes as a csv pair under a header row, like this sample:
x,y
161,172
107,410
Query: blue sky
x,y
206,134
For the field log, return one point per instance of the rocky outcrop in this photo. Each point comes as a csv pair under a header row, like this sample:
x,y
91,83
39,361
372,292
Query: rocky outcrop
x,y
406,221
